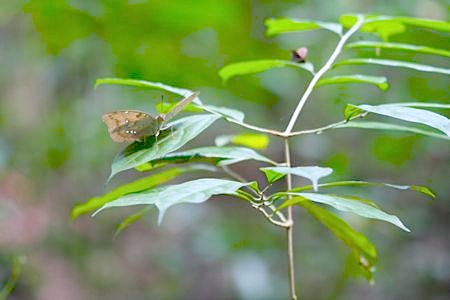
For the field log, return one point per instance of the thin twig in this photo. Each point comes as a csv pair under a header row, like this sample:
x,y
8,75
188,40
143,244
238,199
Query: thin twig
x,y
256,128
238,177
233,174
278,213
259,207
320,73
269,217
327,127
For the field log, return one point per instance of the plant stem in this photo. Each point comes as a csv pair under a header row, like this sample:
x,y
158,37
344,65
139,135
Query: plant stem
x,y
283,223
327,127
290,226
269,217
233,174
320,73
286,134
256,128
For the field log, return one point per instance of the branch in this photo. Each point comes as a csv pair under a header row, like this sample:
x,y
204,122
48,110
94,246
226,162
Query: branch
x,y
268,216
256,128
284,222
290,228
320,73
327,127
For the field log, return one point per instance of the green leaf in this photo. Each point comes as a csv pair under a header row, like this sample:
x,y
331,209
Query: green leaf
x,y
217,155
424,104
421,189
257,66
392,63
409,114
145,84
391,127
351,111
385,26
252,140
313,173
399,46
346,204
223,111
164,107
352,238
10,283
130,220
132,187
283,25
195,191
181,131
378,81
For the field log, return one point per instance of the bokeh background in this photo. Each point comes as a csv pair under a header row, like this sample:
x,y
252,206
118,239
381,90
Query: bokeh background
x,y
55,152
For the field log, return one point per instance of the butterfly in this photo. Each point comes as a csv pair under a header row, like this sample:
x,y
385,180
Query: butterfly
x,y
133,125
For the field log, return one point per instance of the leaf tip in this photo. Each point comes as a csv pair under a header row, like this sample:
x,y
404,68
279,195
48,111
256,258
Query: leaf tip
x,y
402,226
384,86
97,82
223,76
74,213
97,211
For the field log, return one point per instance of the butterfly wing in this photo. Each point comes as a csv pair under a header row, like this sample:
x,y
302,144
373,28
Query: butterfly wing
x,y
180,106
130,125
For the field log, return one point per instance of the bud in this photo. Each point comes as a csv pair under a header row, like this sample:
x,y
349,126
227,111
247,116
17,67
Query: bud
x,y
299,55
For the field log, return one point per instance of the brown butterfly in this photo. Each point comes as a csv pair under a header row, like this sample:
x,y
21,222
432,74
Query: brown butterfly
x,y
132,125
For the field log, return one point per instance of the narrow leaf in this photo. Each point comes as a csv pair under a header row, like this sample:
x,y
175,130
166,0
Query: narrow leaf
x,y
391,127
392,63
195,191
399,46
257,66
313,173
181,131
352,238
409,114
132,187
345,204
283,25
424,104
9,284
163,108
251,140
385,26
130,220
378,81
145,84
226,112
421,189
218,155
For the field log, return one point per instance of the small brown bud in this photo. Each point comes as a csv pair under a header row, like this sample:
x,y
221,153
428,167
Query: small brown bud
x,y
299,55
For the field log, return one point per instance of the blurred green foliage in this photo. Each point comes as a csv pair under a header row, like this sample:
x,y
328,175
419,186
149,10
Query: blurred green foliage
x,y
54,151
